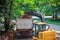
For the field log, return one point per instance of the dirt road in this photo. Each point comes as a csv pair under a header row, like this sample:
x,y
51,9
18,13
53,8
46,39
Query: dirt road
x,y
24,39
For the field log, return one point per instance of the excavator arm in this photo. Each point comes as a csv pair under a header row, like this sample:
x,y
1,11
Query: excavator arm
x,y
33,13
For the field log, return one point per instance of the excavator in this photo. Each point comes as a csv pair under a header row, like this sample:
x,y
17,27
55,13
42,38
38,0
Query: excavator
x,y
40,30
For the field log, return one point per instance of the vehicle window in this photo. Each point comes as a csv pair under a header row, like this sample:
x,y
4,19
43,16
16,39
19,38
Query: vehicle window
x,y
35,30
42,27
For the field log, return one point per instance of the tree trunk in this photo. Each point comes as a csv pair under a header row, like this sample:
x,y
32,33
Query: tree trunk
x,y
54,16
7,19
6,23
8,15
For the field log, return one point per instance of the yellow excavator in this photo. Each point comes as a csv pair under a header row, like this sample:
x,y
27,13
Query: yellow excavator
x,y
41,31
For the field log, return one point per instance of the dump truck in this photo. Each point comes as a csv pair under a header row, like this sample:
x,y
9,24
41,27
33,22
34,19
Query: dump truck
x,y
24,26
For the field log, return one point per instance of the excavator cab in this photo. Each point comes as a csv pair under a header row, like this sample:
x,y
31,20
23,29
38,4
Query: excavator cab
x,y
41,30
38,27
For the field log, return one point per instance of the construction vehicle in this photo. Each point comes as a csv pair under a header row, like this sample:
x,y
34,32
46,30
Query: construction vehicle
x,y
40,31
24,26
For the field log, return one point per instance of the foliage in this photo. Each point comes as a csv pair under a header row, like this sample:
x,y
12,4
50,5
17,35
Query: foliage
x,y
21,5
45,6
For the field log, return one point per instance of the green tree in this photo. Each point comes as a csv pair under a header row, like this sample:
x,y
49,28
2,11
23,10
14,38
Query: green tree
x,y
5,10
50,7
45,6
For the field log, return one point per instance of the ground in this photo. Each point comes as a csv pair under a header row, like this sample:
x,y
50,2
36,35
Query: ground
x,y
55,27
25,39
